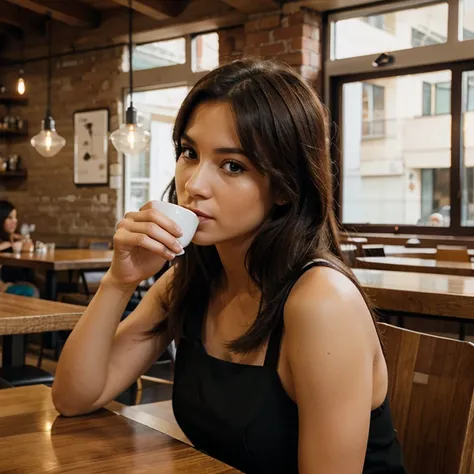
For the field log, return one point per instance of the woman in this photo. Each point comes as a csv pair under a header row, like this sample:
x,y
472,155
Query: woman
x,y
13,279
279,367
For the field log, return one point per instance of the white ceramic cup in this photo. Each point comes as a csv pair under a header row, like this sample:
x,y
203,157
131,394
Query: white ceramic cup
x,y
186,219
17,246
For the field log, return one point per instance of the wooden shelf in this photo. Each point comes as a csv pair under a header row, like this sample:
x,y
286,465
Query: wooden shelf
x,y
13,133
13,174
13,100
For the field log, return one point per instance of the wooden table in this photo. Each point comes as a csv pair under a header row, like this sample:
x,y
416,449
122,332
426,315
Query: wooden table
x,y
21,315
437,295
411,252
59,260
419,265
34,439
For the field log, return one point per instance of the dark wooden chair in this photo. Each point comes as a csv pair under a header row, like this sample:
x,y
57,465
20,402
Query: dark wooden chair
x,y
431,388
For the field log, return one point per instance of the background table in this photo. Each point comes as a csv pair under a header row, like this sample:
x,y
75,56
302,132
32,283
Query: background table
x,y
21,315
420,265
59,260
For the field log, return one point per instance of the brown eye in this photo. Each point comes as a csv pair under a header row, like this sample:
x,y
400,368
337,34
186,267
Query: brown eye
x,y
232,167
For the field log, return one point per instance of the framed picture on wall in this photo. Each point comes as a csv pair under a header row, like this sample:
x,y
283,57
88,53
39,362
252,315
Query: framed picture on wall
x,y
91,134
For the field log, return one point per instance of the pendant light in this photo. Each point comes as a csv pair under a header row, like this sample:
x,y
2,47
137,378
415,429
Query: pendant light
x,y
20,83
131,138
48,142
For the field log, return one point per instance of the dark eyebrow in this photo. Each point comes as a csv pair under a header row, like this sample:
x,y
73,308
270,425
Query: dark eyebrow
x,y
220,151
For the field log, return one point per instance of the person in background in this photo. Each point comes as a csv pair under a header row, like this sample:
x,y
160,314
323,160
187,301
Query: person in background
x,y
14,280
279,367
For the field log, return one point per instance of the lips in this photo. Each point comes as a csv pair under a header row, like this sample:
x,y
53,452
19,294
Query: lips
x,y
200,214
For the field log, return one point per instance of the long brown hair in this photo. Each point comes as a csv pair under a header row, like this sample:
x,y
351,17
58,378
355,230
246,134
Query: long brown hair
x,y
283,129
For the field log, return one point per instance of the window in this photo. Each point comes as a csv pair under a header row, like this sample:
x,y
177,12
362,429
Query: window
x,y
205,52
377,21
373,110
435,200
427,98
390,179
159,54
436,98
467,159
421,163
467,19
389,31
420,38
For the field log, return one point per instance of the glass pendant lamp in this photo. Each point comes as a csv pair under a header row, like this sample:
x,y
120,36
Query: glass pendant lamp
x,y
131,138
48,142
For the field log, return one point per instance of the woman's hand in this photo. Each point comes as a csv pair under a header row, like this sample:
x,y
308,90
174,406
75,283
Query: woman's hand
x,y
143,242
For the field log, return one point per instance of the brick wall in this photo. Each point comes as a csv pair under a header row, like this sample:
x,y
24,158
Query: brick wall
x,y
49,198
291,35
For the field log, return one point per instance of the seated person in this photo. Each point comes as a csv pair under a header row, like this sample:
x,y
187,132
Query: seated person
x,y
13,280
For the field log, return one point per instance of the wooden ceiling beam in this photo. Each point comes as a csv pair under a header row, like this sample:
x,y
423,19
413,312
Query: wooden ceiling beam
x,y
253,6
157,9
20,19
68,12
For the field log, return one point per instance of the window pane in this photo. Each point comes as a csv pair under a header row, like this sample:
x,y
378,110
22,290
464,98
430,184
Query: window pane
x,y
467,19
404,29
139,195
205,52
396,155
443,98
427,99
467,168
158,54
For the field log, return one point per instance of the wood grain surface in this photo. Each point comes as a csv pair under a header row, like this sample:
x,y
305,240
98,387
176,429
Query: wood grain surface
x,y
35,439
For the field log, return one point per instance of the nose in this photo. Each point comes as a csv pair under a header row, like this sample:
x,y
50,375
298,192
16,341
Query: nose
x,y
199,183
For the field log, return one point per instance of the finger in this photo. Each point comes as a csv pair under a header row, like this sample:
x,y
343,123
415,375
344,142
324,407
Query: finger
x,y
157,217
131,239
155,232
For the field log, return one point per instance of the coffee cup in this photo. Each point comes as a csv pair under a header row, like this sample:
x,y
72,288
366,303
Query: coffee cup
x,y
186,219
17,246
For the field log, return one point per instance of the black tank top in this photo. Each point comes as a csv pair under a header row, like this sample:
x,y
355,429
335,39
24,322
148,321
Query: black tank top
x,y
241,415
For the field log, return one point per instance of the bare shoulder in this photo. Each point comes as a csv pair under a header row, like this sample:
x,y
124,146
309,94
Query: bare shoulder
x,y
327,303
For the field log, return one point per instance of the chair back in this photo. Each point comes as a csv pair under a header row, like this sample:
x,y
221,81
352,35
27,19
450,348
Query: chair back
x,y
450,253
431,386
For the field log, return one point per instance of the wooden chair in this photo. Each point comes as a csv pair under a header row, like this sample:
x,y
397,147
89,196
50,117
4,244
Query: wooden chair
x,y
450,253
431,387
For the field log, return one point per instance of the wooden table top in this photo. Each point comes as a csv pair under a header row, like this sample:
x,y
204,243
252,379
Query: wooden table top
x,y
23,315
420,265
412,252
61,259
437,295
34,439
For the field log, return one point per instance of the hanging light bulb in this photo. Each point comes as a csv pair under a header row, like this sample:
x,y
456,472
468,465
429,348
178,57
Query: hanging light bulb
x,y
20,83
131,138
48,142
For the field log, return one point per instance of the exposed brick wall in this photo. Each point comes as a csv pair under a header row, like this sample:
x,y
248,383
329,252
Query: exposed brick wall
x,y
291,35
49,198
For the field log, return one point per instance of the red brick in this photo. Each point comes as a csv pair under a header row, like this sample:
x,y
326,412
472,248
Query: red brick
x,y
292,59
293,32
303,43
255,39
263,23
270,50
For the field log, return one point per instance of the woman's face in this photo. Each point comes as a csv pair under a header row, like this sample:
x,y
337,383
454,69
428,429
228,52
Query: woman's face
x,y
9,226
214,177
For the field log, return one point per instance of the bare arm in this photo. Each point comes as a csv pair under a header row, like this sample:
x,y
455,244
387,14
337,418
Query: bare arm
x,y
101,357
331,351
5,245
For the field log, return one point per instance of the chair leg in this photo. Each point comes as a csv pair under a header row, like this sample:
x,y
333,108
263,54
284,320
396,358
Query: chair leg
x,y
138,398
41,350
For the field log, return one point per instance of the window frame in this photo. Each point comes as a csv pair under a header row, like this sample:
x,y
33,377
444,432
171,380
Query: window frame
x,y
454,55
